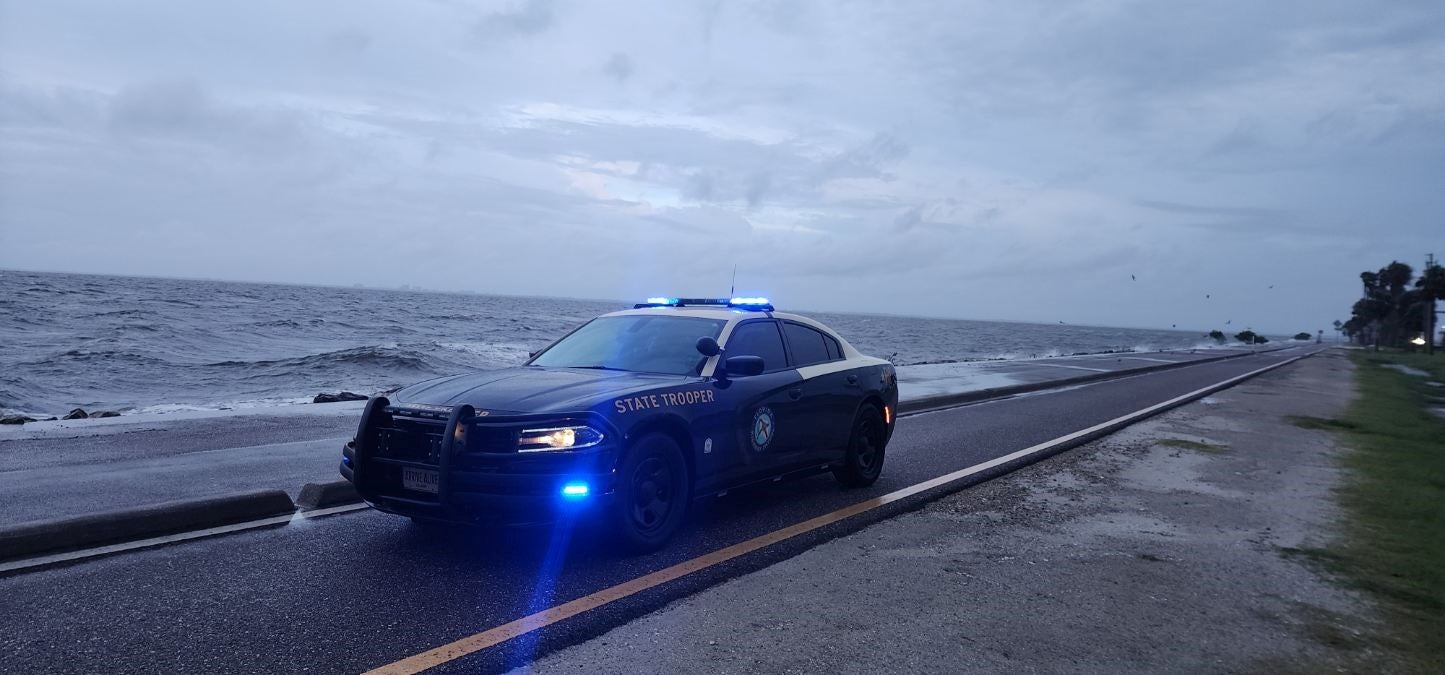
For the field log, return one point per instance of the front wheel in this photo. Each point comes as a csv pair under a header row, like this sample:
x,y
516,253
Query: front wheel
x,y
652,494
863,462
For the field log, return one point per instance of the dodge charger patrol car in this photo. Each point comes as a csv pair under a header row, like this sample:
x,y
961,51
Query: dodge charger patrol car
x,y
630,416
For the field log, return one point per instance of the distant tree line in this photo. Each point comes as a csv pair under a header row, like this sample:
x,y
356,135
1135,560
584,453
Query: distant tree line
x,y
1395,306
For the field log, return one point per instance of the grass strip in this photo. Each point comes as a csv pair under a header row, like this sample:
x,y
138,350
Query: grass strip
x,y
1394,499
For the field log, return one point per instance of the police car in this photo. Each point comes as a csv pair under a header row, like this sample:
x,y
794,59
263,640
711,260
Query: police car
x,y
630,417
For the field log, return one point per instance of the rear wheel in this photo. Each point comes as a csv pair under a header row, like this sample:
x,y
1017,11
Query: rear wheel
x,y
652,494
863,462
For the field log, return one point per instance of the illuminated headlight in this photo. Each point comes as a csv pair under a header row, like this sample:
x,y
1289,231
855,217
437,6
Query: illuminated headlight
x,y
558,438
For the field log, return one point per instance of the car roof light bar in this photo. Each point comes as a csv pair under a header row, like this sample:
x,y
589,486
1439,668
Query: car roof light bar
x,y
755,304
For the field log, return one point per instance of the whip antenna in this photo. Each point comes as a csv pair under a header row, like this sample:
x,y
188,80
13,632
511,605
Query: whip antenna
x,y
733,289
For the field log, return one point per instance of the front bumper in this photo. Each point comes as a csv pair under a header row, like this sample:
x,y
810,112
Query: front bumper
x,y
475,487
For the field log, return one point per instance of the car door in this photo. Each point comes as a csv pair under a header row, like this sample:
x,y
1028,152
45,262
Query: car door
x,y
767,429
830,390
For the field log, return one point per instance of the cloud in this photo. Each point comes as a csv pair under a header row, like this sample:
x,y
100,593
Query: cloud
x,y
525,18
1226,211
960,158
618,67
348,42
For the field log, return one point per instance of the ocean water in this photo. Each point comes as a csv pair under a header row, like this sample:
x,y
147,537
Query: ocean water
x,y
143,344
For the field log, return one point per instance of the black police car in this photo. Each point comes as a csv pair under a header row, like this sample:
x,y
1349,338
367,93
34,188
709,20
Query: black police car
x,y
630,416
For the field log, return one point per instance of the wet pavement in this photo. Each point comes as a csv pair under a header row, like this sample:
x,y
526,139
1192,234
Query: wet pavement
x,y
351,592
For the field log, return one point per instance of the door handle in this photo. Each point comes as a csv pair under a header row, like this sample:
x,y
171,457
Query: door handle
x,y
852,380
795,394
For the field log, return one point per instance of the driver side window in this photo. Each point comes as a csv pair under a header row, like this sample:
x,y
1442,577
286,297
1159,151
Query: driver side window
x,y
759,338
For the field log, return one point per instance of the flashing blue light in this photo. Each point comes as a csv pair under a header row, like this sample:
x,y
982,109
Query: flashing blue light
x,y
749,301
662,301
346,460
575,490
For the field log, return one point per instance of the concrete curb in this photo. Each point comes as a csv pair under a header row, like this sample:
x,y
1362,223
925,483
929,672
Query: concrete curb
x,y
64,534
321,495
930,403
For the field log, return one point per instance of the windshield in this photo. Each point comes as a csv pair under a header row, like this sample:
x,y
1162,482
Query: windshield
x,y
642,344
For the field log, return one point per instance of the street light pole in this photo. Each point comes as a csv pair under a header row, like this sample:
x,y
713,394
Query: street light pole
x,y
1428,315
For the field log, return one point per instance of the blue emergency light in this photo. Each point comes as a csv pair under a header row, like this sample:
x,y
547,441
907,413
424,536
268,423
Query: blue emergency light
x,y
575,490
753,304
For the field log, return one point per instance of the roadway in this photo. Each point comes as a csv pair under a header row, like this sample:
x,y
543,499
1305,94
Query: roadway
x,y
361,590
73,468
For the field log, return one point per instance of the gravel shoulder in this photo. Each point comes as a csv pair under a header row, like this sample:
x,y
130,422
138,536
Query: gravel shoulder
x,y
1168,547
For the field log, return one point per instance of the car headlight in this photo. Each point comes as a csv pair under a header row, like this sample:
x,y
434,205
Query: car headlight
x,y
558,438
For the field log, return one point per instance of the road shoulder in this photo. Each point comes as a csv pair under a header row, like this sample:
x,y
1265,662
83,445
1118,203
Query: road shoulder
x,y
1164,547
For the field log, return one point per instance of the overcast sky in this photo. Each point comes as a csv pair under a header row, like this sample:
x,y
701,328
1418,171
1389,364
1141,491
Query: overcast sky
x,y
995,160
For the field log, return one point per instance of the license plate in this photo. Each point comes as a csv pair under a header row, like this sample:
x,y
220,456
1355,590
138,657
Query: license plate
x,y
421,480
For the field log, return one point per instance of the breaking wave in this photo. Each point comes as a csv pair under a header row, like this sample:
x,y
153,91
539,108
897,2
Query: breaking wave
x,y
133,344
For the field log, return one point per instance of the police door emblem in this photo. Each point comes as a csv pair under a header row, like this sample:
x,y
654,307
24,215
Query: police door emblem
x,y
763,429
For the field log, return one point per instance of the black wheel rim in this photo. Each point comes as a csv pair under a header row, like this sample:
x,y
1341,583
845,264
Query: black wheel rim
x,y
865,452
653,494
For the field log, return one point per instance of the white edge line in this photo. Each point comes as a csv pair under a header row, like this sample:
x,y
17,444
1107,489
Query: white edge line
x,y
68,556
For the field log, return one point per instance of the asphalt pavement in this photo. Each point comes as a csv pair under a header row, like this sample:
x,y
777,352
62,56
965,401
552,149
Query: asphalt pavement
x,y
73,468
358,591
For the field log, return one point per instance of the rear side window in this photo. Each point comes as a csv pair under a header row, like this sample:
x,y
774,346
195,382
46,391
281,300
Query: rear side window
x,y
759,338
810,346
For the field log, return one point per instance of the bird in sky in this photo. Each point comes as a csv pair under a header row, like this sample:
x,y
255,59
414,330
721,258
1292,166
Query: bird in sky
x,y
1131,278
1206,296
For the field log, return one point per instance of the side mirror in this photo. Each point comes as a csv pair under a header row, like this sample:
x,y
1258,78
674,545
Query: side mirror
x,y
743,366
708,347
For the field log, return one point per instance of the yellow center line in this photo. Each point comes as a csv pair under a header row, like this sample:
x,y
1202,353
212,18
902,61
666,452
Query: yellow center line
x,y
507,631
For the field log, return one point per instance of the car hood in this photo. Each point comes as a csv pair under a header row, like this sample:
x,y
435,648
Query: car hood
x,y
533,389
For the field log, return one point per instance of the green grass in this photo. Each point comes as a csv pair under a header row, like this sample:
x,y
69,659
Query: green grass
x,y
1394,498
1193,445
1308,422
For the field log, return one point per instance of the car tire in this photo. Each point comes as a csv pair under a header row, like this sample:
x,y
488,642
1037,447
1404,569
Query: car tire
x,y
863,462
652,494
